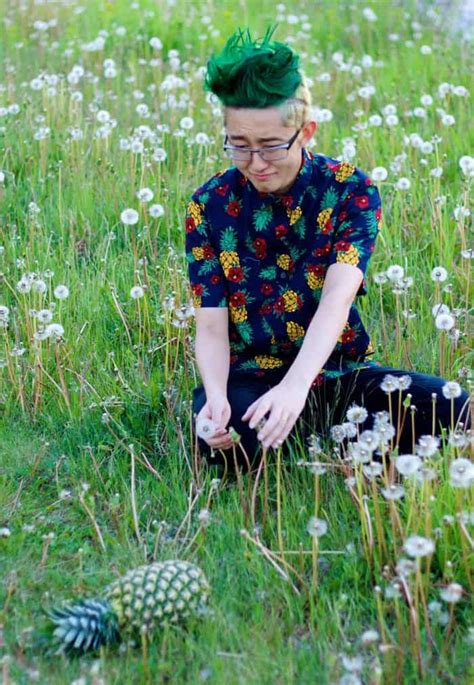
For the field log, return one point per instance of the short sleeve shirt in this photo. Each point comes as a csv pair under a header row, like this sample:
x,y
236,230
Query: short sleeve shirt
x,y
265,256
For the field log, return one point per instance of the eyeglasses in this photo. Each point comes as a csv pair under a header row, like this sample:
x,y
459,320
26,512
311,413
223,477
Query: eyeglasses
x,y
271,153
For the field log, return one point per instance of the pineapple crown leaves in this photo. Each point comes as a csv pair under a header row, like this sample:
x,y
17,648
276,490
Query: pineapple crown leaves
x,y
254,73
83,626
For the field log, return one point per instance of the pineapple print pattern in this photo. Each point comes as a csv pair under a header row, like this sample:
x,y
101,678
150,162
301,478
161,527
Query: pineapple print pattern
x,y
265,258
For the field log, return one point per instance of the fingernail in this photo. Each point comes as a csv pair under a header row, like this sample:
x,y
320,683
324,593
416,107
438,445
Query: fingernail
x,y
251,425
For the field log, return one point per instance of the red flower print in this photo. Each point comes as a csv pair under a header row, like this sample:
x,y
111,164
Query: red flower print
x,y
347,232
317,269
208,251
238,299
353,352
222,190
286,345
317,381
333,167
261,254
190,224
348,336
266,289
233,358
299,301
260,373
342,216
328,226
265,309
233,208
281,231
378,213
215,279
287,201
242,180
197,289
279,304
322,251
259,243
342,246
362,201
369,182
235,274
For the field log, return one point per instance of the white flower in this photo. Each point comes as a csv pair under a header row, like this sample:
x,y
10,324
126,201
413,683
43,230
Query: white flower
x,y
403,183
204,518
155,43
448,120
452,593
5,532
467,165
461,473
156,211
389,383
418,546
375,120
369,636
444,322
4,312
205,428
427,445
369,14
461,212
136,292
426,100
350,429
317,527
408,464
395,273
159,155
129,217
373,469
451,390
439,274
186,123
380,278
145,194
426,50
393,492
2,177
55,330
61,292
39,286
436,172
44,316
23,286
369,440
338,433
357,414
404,382
404,567
352,663
440,309
379,173
202,138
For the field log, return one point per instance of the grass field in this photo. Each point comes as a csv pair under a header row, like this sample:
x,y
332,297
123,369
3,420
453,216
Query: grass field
x,y
101,100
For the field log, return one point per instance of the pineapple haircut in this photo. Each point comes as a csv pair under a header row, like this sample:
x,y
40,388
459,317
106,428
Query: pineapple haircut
x,y
257,74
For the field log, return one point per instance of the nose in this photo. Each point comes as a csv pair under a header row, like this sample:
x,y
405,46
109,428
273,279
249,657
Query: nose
x,y
257,164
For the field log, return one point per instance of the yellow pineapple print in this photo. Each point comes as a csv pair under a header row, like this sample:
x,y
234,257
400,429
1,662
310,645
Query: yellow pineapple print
x,y
195,210
370,348
314,281
324,216
351,256
291,301
345,170
265,361
238,314
273,340
294,330
228,260
196,300
294,214
284,261
198,253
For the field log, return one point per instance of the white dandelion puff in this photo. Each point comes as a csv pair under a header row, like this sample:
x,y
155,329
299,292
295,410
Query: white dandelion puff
x,y
61,292
444,322
129,217
156,211
452,593
317,527
439,274
417,546
461,473
403,183
408,464
395,273
205,428
356,414
186,123
389,383
427,445
379,173
137,292
145,194
451,390
393,492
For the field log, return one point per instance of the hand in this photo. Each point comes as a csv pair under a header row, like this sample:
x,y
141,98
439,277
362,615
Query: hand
x,y
284,403
217,409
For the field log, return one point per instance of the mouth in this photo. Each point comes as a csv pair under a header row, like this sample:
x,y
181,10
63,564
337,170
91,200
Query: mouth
x,y
262,177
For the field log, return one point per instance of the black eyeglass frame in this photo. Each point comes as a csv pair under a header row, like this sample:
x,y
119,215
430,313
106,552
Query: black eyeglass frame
x,y
271,148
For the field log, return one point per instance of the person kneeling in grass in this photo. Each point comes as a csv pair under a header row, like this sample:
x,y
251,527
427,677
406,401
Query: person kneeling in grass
x,y
277,248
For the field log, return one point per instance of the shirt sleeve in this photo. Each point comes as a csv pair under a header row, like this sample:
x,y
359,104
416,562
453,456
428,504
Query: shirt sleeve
x,y
356,228
206,277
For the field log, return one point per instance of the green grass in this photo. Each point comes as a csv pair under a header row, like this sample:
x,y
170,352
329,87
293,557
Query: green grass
x,y
123,373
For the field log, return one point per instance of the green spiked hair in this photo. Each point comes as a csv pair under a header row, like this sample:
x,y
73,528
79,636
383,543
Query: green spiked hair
x,y
253,73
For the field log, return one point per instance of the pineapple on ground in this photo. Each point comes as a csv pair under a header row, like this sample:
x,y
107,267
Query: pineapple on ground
x,y
140,601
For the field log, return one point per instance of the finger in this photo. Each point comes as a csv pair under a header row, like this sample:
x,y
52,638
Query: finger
x,y
259,414
279,435
272,426
250,410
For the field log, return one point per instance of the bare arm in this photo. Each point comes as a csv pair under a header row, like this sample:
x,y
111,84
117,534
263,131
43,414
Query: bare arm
x,y
212,349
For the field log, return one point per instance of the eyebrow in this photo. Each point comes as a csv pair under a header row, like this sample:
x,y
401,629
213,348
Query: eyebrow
x,y
259,140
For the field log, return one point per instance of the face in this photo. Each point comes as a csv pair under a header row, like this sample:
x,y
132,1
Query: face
x,y
258,128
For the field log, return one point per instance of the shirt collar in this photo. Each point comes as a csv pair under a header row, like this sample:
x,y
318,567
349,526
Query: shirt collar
x,y
297,189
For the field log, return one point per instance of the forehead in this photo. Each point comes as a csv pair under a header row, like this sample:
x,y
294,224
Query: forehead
x,y
258,125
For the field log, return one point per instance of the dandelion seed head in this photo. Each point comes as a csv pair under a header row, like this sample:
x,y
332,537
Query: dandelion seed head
x,y
439,274
461,473
129,217
380,278
408,464
417,546
452,593
317,527
404,567
444,322
338,433
137,292
378,174
451,390
389,383
356,414
369,440
393,492
205,428
61,292
145,194
373,470
403,183
427,445
354,664
370,636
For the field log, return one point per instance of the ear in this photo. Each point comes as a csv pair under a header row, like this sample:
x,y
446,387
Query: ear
x,y
309,129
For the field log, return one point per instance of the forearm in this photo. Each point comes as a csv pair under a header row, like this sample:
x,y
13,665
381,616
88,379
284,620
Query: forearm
x,y
321,337
213,360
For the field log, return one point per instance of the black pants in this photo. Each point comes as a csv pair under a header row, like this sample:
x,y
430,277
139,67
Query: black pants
x,y
327,405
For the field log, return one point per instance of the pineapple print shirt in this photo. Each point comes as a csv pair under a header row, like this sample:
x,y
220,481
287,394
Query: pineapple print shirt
x,y
265,256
